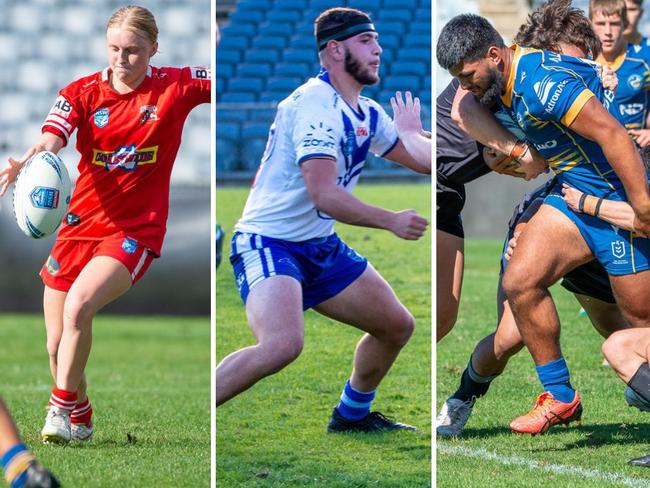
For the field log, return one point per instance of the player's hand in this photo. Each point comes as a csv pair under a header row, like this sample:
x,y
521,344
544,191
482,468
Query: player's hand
x,y
608,79
501,163
406,114
512,243
10,173
641,136
533,164
571,197
642,224
408,225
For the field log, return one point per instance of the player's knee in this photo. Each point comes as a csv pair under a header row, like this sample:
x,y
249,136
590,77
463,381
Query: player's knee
x,y
284,351
402,329
507,345
616,348
53,347
77,312
446,319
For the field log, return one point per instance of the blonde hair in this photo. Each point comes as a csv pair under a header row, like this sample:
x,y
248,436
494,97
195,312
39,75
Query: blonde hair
x,y
607,8
136,18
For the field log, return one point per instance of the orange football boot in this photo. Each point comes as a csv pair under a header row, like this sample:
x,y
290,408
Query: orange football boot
x,y
548,412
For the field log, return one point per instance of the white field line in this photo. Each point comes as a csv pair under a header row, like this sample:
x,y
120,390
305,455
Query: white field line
x,y
564,469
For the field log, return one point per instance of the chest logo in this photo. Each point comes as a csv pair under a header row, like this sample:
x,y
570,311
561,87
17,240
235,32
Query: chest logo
x,y
635,81
127,158
100,117
148,113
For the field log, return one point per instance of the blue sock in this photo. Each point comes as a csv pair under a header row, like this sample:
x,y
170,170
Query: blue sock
x,y
354,404
635,400
15,463
555,378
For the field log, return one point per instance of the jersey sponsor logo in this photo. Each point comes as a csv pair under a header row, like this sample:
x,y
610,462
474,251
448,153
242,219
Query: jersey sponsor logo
x,y
546,145
127,158
319,138
543,89
100,117
362,131
200,73
129,245
635,81
61,107
630,108
555,97
149,113
555,57
618,249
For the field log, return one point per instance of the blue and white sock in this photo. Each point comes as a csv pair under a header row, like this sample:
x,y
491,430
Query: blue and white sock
x,y
355,404
555,378
15,463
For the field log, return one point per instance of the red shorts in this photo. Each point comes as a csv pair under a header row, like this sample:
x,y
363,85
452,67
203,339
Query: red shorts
x,y
69,257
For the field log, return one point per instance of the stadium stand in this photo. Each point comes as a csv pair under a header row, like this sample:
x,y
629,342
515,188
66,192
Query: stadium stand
x,y
268,49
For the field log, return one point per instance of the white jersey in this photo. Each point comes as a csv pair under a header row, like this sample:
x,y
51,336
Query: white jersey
x,y
314,121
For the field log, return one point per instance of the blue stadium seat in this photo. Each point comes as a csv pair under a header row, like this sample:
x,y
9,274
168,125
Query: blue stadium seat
x,y
269,96
420,27
286,85
402,83
305,30
299,55
227,154
254,70
228,56
244,15
227,130
409,68
423,15
276,29
422,40
284,16
295,70
220,85
389,41
389,27
237,97
263,5
233,42
231,115
393,14
367,6
252,150
252,130
320,5
298,5
225,70
236,29
253,85
263,116
270,42
400,4
415,54
303,41
262,56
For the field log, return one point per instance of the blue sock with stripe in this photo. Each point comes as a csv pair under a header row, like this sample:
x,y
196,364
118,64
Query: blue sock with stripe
x,y
354,404
15,463
555,378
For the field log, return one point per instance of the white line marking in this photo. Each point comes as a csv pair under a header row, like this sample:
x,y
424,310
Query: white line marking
x,y
484,454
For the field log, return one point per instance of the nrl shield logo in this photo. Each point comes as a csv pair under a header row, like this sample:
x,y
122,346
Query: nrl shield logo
x,y
100,117
618,249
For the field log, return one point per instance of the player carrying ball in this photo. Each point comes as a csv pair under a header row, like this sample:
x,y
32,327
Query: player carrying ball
x,y
130,119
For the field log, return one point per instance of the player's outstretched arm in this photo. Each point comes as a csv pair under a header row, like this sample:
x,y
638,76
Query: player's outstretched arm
x,y
320,178
617,213
595,123
47,142
482,125
406,114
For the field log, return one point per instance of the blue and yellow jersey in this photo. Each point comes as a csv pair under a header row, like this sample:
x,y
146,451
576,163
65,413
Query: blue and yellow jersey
x,y
544,94
630,104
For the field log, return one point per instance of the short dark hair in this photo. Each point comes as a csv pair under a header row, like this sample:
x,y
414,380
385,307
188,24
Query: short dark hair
x,y
336,17
466,37
555,22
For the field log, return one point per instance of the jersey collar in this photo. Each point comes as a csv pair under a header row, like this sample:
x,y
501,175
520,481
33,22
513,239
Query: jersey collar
x,y
506,98
107,70
618,61
325,76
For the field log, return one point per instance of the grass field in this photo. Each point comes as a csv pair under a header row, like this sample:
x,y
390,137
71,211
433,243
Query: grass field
x,y
149,383
274,434
590,455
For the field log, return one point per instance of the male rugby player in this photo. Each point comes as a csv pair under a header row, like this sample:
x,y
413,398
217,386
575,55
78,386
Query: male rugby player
x,y
631,33
556,109
285,255
630,62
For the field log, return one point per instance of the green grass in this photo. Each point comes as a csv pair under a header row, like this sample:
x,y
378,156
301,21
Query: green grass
x,y
611,433
274,434
150,388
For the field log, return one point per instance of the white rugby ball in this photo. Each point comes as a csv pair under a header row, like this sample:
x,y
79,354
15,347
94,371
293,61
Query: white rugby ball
x,y
42,195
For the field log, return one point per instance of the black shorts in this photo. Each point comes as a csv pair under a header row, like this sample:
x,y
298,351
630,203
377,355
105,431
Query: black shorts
x,y
450,200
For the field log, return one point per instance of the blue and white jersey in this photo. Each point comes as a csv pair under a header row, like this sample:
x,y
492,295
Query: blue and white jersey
x,y
630,104
544,94
313,122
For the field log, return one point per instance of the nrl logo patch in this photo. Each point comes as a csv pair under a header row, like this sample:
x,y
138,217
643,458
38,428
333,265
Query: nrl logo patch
x,y
618,249
100,117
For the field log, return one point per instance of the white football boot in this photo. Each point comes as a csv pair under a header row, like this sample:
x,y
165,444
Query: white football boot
x,y
57,426
453,416
81,433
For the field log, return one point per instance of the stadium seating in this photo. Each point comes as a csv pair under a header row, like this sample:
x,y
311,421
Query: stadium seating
x,y
272,41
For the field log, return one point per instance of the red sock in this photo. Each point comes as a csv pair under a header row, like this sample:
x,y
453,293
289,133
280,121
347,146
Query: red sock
x,y
82,413
63,399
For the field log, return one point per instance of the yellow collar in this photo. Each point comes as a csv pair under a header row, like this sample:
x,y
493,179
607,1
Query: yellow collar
x,y
506,98
614,65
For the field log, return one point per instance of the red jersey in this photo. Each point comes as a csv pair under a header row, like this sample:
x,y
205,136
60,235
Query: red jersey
x,y
128,144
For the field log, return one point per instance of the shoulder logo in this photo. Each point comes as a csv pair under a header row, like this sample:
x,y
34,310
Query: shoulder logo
x,y
543,88
100,117
523,75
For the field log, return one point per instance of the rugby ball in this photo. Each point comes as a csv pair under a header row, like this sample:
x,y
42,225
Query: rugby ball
x,y
41,195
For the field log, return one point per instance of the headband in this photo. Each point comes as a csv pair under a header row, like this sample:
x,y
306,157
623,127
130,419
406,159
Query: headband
x,y
343,32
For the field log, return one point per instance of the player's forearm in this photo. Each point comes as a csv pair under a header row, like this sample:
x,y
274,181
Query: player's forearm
x,y
480,123
619,214
419,147
49,142
345,207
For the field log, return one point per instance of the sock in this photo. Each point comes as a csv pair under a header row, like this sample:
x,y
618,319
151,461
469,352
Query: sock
x,y
82,413
633,399
15,463
354,404
555,378
472,384
65,400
